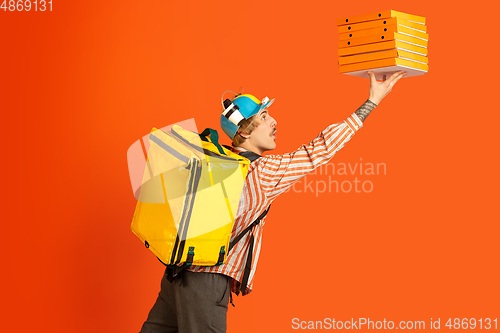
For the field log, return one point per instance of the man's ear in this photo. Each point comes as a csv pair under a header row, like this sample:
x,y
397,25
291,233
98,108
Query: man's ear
x,y
246,136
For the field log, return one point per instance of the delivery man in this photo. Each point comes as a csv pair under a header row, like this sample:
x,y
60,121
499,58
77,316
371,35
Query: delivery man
x,y
196,300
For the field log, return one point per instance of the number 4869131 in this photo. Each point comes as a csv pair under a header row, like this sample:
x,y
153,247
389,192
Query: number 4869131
x,y
26,5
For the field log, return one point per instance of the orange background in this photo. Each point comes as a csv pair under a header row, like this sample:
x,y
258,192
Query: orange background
x,y
82,83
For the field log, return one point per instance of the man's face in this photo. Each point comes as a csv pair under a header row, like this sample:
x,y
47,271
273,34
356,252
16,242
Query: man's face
x,y
263,136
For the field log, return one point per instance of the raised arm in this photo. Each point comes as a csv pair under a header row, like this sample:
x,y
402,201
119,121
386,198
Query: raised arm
x,y
378,90
279,172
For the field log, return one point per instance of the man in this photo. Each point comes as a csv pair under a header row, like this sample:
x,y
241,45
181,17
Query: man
x,y
197,300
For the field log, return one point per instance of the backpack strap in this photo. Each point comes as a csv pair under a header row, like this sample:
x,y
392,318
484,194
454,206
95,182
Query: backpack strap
x,y
247,229
214,138
248,264
250,155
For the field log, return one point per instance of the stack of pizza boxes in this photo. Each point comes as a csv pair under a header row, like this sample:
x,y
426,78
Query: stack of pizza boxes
x,y
384,43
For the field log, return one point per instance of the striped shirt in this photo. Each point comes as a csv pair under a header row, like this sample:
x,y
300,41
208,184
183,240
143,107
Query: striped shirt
x,y
267,178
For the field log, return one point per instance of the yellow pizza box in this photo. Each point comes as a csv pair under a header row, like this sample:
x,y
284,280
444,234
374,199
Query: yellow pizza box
x,y
391,44
382,30
382,38
380,15
381,23
394,53
385,67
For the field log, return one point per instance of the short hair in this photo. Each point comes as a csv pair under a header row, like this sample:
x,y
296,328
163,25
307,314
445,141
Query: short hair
x,y
246,127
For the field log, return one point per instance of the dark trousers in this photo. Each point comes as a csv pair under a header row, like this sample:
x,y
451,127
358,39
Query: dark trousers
x,y
192,303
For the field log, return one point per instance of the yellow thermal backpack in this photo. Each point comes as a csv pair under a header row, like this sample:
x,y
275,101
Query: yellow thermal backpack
x,y
188,198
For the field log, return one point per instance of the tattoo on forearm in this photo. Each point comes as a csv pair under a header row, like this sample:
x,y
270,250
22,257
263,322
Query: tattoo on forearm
x,y
364,110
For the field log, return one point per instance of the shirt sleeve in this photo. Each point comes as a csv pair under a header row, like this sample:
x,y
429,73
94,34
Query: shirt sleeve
x,y
277,173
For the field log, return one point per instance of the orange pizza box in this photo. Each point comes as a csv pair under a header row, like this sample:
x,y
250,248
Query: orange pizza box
x,y
382,30
381,38
380,15
385,67
380,23
391,44
394,53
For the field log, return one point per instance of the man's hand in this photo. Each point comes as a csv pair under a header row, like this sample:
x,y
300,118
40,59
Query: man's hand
x,y
378,90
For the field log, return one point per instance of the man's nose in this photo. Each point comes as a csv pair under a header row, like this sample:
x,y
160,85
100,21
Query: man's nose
x,y
274,122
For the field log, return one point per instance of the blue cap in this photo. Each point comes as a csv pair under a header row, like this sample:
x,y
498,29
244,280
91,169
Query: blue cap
x,y
248,106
